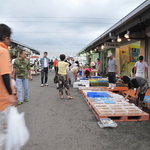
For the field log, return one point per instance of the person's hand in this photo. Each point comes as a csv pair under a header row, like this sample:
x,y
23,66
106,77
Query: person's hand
x,y
12,76
30,77
12,99
126,97
136,97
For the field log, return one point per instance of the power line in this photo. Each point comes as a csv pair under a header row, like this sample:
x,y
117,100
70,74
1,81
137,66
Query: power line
x,y
48,21
54,33
60,18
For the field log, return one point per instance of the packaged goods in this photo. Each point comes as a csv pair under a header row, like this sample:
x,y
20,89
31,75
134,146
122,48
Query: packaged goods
x,y
107,122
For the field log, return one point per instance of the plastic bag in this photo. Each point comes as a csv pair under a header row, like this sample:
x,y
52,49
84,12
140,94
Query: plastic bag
x,y
107,122
17,132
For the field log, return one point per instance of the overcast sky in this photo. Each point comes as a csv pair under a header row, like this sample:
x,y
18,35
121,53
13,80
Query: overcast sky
x,y
62,26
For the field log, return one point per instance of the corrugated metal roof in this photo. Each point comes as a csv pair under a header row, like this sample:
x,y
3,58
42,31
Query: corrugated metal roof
x,y
141,8
23,45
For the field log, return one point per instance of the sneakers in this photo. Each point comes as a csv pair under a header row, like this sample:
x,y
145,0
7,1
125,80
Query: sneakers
x,y
110,86
19,103
46,84
113,86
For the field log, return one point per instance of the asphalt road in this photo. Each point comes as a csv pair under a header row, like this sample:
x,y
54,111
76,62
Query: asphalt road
x,y
56,124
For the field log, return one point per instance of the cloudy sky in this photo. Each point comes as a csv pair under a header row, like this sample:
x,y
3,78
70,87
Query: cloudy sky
x,y
62,26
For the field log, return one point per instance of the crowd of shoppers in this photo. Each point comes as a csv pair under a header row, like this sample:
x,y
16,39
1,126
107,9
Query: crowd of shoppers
x,y
66,73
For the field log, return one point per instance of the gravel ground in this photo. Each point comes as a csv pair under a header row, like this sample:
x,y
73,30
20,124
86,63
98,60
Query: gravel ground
x,y
56,124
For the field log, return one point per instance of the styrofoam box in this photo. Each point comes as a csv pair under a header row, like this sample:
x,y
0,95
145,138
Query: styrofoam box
x,y
80,84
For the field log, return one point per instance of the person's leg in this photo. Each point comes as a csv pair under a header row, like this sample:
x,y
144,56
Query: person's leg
x,y
46,75
26,89
42,76
66,86
60,82
109,80
55,69
113,78
19,90
140,100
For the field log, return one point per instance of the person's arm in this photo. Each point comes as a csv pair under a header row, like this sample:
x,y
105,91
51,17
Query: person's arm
x,y
146,72
134,71
116,69
129,91
13,73
12,98
29,71
6,81
137,92
135,68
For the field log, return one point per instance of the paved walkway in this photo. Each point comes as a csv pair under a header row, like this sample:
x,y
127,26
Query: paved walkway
x,y
56,124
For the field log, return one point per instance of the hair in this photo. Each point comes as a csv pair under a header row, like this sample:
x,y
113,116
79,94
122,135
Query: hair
x,y
141,57
77,62
21,52
126,79
87,73
62,57
98,59
45,53
5,31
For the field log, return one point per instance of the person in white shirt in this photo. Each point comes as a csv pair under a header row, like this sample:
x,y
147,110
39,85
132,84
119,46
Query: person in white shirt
x,y
141,68
111,71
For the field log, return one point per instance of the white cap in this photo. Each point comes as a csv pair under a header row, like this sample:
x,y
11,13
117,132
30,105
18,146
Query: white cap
x,y
109,54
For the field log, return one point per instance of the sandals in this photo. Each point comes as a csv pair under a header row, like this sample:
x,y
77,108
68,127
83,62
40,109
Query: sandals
x,y
61,97
69,97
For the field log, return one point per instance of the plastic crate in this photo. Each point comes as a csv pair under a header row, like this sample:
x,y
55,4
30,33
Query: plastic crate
x,y
97,94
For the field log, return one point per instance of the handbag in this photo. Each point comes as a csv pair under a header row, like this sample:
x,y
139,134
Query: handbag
x,y
56,79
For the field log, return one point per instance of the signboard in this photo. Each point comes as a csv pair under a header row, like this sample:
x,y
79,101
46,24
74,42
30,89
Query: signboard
x,y
111,45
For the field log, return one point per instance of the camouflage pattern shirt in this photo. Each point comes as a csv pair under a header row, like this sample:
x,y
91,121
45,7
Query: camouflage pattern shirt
x,y
22,67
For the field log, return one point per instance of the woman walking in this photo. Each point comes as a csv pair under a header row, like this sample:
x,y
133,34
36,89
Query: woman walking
x,y
62,77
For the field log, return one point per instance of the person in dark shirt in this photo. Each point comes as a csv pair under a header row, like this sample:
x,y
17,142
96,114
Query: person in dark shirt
x,y
141,86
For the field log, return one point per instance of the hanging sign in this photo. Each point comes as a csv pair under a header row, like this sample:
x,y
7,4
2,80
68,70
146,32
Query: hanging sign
x,y
111,45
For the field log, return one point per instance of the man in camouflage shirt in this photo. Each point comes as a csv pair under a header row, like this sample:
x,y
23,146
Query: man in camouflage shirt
x,y
23,73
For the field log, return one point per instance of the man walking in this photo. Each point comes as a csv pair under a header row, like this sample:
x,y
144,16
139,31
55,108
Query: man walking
x,y
44,72
111,70
7,97
23,73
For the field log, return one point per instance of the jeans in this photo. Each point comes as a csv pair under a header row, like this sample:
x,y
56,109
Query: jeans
x,y
22,89
44,72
